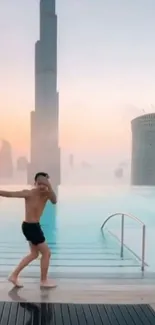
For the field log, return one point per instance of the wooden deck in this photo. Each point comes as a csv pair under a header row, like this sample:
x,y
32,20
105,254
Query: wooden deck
x,y
81,292
70,314
79,302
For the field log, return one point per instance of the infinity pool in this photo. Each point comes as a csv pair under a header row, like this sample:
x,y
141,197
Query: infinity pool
x,y
72,229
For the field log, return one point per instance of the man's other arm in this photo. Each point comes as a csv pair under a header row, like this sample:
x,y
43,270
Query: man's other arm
x,y
16,194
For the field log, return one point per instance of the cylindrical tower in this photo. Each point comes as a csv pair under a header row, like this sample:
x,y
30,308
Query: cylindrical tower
x,y
143,150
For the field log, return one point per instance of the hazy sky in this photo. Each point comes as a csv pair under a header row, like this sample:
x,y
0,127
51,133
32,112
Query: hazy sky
x,y
106,70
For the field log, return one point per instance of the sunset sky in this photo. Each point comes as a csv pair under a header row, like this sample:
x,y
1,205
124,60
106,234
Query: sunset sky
x,y
106,70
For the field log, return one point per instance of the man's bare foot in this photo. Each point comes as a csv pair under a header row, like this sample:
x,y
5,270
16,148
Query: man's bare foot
x,y
14,281
47,284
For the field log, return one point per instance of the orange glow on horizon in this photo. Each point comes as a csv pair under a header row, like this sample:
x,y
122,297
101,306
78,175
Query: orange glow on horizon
x,y
79,131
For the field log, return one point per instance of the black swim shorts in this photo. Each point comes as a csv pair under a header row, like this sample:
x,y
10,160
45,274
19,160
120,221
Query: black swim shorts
x,y
33,232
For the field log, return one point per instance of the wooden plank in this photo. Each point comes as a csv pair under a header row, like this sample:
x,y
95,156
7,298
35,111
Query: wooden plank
x,y
43,313
20,315
150,314
64,314
119,315
73,314
134,315
6,314
2,304
98,315
13,313
51,316
88,315
81,315
128,318
140,312
111,315
58,315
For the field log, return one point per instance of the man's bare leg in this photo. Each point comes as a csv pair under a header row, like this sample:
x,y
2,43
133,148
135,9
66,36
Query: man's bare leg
x,y
24,262
44,265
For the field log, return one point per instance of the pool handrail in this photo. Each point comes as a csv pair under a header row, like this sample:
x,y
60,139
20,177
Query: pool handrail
x,y
122,233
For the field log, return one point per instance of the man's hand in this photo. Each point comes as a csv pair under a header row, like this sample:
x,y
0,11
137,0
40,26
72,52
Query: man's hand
x,y
52,195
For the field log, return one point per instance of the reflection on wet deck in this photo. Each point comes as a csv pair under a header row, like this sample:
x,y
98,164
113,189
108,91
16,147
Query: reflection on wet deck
x,y
82,291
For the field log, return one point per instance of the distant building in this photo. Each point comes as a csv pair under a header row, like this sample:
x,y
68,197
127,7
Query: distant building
x,y
85,165
71,160
22,163
143,150
119,172
6,161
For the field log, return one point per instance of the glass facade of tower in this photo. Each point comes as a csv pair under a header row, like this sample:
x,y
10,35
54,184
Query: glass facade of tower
x,y
143,150
45,152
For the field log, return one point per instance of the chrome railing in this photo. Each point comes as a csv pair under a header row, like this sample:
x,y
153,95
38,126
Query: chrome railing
x,y
122,233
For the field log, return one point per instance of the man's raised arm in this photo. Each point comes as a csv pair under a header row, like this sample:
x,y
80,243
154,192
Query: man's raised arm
x,y
52,195
16,194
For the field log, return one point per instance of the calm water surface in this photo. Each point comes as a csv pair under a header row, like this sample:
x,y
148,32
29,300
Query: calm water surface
x,y
81,211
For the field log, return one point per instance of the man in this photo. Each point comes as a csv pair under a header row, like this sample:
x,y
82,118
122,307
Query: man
x,y
35,200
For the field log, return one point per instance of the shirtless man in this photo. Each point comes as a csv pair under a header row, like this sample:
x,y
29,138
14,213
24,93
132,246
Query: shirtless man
x,y
35,200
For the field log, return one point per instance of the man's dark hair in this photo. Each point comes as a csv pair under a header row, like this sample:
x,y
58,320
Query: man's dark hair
x,y
41,174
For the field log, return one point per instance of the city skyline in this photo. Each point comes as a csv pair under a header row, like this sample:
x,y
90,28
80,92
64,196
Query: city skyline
x,y
100,83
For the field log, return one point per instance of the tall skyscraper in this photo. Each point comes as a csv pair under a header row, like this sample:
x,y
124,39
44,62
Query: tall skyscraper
x,y
45,152
143,150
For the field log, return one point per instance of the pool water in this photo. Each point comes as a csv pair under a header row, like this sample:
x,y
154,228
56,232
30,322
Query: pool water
x,y
72,230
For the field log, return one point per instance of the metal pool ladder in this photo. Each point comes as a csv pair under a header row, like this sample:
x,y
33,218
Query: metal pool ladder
x,y
123,215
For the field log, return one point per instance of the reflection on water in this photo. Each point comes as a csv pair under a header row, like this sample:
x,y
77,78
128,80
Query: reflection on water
x,y
15,296
38,313
33,313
